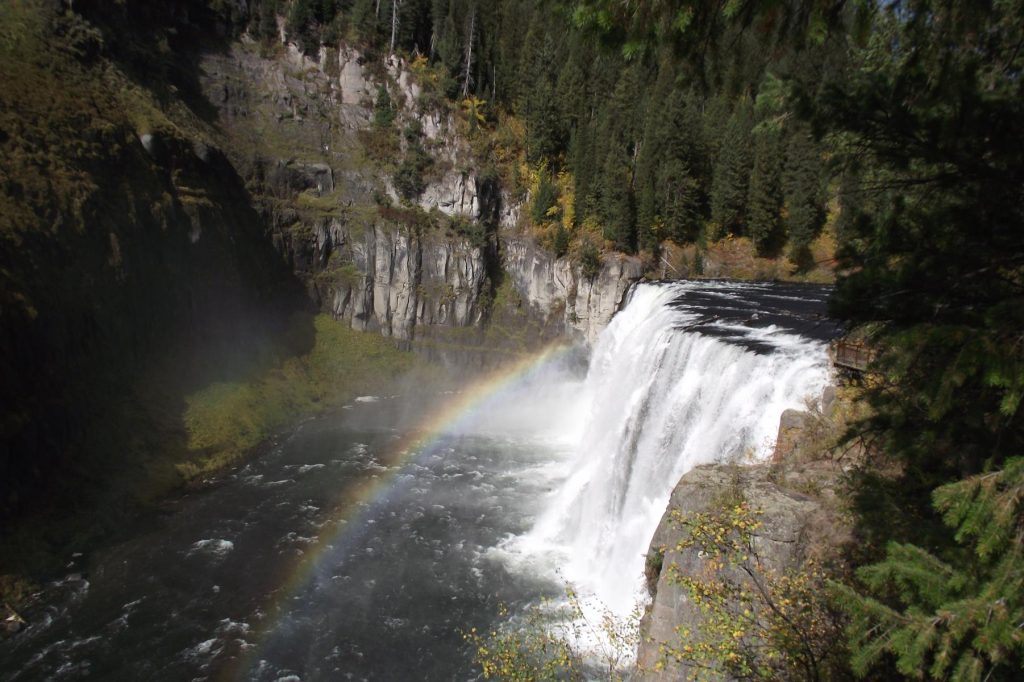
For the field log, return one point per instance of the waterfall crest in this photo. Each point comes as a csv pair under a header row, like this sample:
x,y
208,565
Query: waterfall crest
x,y
669,387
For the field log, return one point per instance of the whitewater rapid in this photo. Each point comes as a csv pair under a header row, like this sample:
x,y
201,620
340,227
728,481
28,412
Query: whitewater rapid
x,y
669,386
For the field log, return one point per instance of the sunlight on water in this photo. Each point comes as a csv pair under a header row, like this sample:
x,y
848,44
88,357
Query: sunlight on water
x,y
657,401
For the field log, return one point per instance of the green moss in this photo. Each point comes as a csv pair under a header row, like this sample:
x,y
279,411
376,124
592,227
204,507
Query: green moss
x,y
507,297
327,205
226,419
346,275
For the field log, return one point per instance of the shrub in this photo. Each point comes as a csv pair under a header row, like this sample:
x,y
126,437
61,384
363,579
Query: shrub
x,y
545,643
755,623
545,197
383,109
590,259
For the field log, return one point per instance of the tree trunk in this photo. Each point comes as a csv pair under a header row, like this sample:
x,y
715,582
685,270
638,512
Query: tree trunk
x,y
467,76
394,24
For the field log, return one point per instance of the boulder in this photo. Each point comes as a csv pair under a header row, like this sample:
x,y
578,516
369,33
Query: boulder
x,y
793,527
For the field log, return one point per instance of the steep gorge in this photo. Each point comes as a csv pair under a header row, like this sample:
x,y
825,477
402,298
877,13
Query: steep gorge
x,y
175,212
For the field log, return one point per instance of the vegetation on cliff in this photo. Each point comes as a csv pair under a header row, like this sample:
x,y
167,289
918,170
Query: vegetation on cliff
x,y
631,150
919,121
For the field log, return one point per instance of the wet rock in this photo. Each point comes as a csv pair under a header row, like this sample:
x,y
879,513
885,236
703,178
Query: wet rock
x,y
12,622
792,424
828,400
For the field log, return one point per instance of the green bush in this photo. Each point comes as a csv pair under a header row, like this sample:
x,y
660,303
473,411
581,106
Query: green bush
x,y
383,108
226,419
544,199
590,259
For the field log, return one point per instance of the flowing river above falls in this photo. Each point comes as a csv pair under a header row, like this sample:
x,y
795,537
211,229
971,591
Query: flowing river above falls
x,y
366,542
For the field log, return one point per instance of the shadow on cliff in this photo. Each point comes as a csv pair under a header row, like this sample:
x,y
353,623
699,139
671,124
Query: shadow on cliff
x,y
169,285
158,44
135,271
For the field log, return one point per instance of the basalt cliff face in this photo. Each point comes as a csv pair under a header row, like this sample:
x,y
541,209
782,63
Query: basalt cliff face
x,y
301,131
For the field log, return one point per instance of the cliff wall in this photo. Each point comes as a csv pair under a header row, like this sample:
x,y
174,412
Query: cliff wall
x,y
173,208
302,131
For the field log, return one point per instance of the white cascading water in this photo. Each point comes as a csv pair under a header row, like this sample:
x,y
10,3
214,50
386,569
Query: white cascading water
x,y
661,401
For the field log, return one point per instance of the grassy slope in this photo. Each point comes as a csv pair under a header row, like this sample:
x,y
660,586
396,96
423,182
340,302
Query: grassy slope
x,y
225,419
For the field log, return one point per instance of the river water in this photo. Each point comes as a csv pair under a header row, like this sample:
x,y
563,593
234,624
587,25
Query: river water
x,y
365,543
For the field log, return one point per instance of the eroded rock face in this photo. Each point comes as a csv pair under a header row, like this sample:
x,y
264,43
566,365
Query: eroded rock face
x,y
551,284
292,125
396,281
792,525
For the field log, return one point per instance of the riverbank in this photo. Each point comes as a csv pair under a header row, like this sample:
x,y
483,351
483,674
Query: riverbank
x,y
212,427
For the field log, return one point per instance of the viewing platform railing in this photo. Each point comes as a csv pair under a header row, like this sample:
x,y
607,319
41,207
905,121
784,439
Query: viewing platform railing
x,y
851,355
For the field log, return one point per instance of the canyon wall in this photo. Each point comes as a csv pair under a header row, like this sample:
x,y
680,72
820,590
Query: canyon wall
x,y
301,130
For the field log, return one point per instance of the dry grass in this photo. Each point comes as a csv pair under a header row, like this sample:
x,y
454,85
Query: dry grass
x,y
736,258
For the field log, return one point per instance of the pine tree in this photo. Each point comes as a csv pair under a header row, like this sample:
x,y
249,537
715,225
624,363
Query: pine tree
x,y
957,619
731,179
850,202
266,28
408,177
618,214
934,245
383,108
683,178
447,45
680,201
583,161
560,241
544,139
765,201
298,26
515,19
365,19
544,199
545,130
647,218
572,88
802,185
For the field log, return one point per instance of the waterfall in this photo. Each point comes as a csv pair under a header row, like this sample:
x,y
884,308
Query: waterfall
x,y
669,387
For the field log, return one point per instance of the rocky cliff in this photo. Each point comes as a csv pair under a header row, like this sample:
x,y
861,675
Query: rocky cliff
x,y
797,528
302,131
126,237
175,200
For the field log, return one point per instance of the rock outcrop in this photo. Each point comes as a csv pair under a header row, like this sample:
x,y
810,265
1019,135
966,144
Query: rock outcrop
x,y
798,494
794,526
394,281
552,284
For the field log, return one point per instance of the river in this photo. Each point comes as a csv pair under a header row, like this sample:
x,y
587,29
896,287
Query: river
x,y
365,543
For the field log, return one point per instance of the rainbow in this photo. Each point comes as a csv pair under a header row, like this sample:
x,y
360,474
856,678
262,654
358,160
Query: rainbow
x,y
358,501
